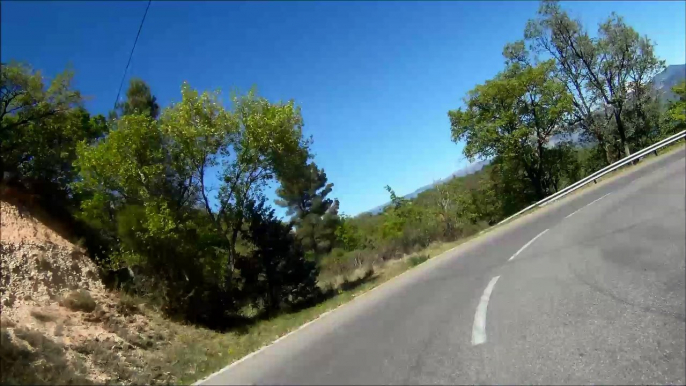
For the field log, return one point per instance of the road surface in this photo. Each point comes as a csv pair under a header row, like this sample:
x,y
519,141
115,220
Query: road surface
x,y
589,289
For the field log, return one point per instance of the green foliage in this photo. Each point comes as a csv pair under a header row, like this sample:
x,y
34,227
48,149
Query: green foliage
x,y
514,116
608,76
315,216
277,272
41,128
415,260
139,100
209,255
348,234
677,110
43,123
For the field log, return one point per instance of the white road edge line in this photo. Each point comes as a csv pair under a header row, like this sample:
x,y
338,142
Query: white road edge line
x,y
527,244
252,354
479,328
266,346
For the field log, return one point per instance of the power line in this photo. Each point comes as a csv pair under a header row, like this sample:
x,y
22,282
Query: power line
x,y
131,54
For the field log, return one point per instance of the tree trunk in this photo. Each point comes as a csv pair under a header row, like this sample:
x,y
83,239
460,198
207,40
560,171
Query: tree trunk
x,y
232,259
603,146
537,182
622,133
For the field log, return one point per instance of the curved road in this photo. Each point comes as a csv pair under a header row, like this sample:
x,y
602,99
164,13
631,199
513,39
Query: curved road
x,y
589,289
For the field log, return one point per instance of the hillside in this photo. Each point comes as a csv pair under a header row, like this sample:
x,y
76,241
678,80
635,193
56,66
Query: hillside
x,y
668,78
59,323
469,169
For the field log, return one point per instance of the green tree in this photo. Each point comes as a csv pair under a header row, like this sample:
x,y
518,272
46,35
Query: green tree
x,y
677,110
514,116
314,215
148,190
139,100
276,272
41,127
348,234
603,73
267,145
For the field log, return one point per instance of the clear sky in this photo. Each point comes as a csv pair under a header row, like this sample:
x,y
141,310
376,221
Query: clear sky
x,y
374,79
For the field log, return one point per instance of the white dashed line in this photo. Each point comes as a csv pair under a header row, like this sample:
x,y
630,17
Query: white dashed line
x,y
479,328
527,244
573,213
592,202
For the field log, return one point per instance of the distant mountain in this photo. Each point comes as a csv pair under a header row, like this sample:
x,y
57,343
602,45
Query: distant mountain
x,y
668,78
469,169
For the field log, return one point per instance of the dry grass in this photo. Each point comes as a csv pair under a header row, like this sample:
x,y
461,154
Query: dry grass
x,y
43,316
28,357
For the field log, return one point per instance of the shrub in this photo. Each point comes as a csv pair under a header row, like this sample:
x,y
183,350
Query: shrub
x,y
415,260
43,316
127,305
80,300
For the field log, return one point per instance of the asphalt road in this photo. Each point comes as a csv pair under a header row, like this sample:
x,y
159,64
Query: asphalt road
x,y
597,297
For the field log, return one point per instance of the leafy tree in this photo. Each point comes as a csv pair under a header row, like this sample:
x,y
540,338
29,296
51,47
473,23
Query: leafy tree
x,y
348,234
266,145
514,116
314,215
276,272
677,110
601,74
149,192
41,127
139,100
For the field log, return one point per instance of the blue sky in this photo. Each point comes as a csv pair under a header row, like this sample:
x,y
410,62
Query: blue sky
x,y
374,79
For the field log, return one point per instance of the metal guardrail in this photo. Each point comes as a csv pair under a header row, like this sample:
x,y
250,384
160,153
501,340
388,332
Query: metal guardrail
x,y
601,172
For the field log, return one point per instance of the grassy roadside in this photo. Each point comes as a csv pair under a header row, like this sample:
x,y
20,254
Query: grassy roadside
x,y
204,351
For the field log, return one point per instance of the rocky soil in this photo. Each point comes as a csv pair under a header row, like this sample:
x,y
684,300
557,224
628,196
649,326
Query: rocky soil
x,y
59,323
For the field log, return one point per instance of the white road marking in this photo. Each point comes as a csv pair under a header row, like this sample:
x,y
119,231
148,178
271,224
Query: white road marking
x,y
527,244
592,202
479,328
573,213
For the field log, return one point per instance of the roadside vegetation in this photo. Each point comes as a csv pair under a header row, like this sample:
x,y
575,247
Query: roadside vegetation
x,y
170,201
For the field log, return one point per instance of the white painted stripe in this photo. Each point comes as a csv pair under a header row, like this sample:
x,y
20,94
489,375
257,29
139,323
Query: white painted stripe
x,y
479,328
573,213
592,202
527,244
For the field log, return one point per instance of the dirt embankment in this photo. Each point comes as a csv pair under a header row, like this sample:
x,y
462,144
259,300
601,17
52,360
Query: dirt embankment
x,y
59,323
